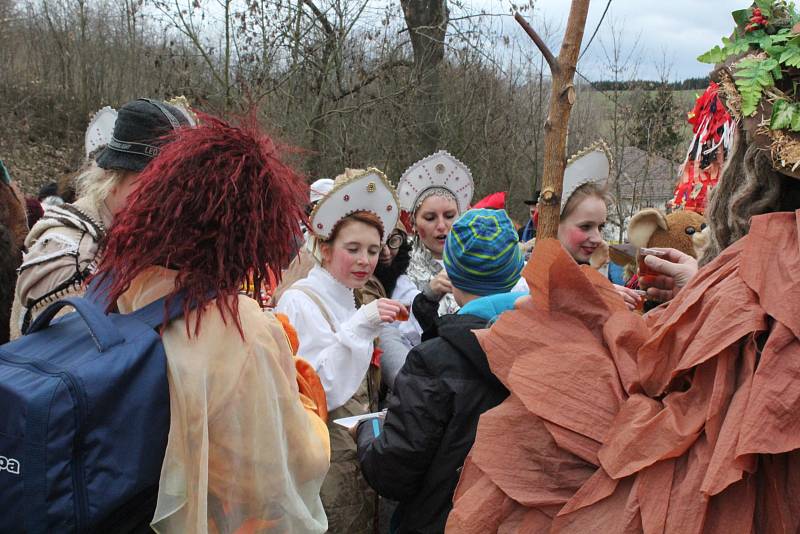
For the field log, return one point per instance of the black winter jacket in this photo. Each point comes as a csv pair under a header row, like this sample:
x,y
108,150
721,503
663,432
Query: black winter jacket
x,y
440,393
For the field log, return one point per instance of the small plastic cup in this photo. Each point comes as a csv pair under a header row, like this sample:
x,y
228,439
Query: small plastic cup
x,y
642,297
644,269
402,315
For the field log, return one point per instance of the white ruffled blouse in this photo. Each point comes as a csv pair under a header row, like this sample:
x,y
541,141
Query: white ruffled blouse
x,y
341,355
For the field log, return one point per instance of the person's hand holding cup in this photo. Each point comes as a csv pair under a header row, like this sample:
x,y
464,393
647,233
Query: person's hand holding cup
x,y
663,272
391,310
634,299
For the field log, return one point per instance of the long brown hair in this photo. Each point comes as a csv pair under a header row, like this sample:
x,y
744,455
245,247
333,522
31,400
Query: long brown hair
x,y
748,186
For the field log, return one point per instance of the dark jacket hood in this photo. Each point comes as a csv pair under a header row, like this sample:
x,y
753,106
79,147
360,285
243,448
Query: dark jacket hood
x,y
457,330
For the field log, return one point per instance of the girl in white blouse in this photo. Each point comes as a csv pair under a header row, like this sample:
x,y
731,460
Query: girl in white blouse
x,y
336,337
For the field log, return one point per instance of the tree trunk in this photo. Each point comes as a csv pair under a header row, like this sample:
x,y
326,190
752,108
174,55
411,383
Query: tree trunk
x,y
427,25
318,124
555,128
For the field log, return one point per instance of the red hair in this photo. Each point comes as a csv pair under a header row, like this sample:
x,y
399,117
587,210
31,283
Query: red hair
x,y
366,217
217,205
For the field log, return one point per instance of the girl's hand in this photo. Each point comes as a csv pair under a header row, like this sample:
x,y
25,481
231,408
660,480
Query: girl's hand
x,y
391,310
631,297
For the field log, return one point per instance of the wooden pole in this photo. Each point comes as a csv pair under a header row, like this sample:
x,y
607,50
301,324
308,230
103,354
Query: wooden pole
x,y
562,97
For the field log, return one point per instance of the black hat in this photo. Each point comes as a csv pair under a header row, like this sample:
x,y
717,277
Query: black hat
x,y
48,190
534,200
137,131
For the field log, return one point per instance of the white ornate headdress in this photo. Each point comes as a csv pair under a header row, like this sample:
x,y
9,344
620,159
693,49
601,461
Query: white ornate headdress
x,y
182,103
363,191
100,129
437,171
592,164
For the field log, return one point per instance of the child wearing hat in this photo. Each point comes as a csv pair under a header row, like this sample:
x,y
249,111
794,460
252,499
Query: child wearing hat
x,y
446,383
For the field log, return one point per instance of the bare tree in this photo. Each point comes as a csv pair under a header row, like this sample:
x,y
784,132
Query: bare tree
x,y
427,24
562,97
622,61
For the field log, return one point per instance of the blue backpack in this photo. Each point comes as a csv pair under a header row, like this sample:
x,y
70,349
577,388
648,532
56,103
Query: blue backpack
x,y
84,419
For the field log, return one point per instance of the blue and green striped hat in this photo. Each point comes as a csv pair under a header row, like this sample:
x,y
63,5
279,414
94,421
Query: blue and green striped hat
x,y
482,254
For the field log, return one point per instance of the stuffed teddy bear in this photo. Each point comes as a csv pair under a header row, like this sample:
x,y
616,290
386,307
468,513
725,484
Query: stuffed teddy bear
x,y
682,230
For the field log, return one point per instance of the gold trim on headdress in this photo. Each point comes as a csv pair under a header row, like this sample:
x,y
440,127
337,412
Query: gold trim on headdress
x,y
354,191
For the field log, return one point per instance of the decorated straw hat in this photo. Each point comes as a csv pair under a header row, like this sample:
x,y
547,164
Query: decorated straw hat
x,y
356,191
590,165
439,171
757,72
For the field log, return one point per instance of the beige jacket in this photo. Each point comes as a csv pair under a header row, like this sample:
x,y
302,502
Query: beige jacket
x,y
240,442
61,249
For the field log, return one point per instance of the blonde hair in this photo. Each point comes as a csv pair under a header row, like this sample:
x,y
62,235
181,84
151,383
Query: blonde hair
x,y
96,183
584,191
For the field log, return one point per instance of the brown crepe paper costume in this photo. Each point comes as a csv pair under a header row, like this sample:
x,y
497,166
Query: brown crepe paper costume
x,y
684,420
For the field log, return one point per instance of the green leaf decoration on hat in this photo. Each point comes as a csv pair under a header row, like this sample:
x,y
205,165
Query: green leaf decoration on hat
x,y
715,55
757,68
765,6
785,116
769,48
790,56
752,77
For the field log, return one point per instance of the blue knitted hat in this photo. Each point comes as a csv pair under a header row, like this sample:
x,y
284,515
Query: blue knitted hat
x,y
482,254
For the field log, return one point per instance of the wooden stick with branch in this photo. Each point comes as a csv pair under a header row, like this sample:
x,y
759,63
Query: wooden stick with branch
x,y
562,96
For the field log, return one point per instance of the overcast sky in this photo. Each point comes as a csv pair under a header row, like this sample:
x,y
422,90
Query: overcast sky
x,y
678,30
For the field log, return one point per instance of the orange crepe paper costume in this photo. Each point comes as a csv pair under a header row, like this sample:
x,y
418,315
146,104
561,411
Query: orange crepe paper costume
x,y
684,420
312,394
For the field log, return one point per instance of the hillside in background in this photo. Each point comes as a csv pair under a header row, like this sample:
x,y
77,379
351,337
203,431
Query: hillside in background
x,y
348,94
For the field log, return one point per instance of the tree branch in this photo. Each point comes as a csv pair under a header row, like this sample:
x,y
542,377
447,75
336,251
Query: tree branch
x,y
373,76
540,44
323,20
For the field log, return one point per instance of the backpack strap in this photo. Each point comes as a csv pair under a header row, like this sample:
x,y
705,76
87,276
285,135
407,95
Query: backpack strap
x,y
104,333
316,300
155,314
